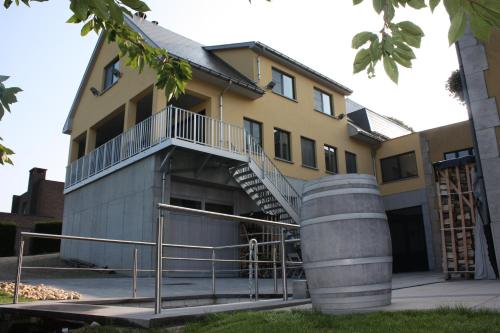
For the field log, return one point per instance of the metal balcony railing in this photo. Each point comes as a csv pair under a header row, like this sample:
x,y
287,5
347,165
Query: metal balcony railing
x,y
179,124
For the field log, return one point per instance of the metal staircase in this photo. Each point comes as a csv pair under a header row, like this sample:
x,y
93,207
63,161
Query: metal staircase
x,y
261,194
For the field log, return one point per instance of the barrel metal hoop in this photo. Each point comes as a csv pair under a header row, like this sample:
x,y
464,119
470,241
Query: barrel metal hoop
x,y
351,289
337,182
347,216
347,262
341,191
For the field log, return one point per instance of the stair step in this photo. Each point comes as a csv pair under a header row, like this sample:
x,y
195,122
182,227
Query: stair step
x,y
239,173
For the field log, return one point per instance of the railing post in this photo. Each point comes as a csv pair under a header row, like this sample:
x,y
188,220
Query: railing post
x,y
275,273
176,118
159,264
19,268
256,267
134,275
213,272
283,265
250,268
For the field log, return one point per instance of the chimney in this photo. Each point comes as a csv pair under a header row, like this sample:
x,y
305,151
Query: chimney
x,y
36,175
141,15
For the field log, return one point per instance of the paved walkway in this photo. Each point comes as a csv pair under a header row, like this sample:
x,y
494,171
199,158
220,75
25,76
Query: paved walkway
x,y
410,291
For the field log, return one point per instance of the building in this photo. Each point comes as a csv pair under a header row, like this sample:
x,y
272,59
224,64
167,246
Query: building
x,y
42,203
480,66
253,126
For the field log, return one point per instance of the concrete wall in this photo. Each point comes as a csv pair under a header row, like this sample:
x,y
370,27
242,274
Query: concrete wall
x,y
481,67
122,206
119,206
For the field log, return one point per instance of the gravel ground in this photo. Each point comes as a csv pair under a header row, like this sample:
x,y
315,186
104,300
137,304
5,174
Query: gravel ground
x,y
8,268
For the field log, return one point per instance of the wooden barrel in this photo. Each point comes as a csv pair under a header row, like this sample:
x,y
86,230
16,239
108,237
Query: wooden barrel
x,y
346,243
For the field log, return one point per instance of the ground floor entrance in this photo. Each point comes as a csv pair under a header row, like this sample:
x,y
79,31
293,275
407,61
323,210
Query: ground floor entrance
x,y
409,249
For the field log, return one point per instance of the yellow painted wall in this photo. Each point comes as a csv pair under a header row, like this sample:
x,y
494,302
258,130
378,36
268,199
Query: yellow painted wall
x,y
296,116
244,60
300,119
492,75
404,144
448,138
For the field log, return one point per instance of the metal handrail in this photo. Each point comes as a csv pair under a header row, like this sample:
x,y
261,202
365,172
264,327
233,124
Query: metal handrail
x,y
177,123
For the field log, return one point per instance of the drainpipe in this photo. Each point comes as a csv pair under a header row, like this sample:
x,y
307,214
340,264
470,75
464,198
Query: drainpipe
x,y
221,98
479,167
374,162
258,69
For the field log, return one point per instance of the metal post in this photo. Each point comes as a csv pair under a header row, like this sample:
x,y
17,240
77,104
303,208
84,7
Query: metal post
x,y
275,275
256,267
213,272
250,267
19,268
159,265
283,265
134,275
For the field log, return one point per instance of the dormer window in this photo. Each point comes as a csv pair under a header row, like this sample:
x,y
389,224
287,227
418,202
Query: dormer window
x,y
111,73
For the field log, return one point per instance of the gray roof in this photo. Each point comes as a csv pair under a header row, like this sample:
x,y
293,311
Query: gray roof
x,y
374,122
184,48
286,60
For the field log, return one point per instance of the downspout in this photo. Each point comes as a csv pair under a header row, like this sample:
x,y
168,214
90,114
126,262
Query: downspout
x,y
479,167
374,161
221,100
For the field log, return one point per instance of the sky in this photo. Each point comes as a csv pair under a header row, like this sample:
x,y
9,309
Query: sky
x,y
47,57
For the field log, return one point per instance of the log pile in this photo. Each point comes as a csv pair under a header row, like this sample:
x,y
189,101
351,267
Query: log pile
x,y
457,214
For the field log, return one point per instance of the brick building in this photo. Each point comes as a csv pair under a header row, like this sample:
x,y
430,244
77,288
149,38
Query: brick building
x,y
42,203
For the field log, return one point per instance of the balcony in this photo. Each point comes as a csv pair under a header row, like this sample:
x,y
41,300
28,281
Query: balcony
x,y
178,127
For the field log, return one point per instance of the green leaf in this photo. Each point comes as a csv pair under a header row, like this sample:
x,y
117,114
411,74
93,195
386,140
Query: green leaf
x,y
3,78
378,5
480,28
412,40
391,69
99,9
457,27
80,8
410,28
361,60
136,5
87,27
116,12
453,6
401,59
433,4
417,4
361,38
356,2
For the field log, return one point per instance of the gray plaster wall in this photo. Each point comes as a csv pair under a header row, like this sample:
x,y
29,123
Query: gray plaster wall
x,y
122,205
412,199
485,115
118,206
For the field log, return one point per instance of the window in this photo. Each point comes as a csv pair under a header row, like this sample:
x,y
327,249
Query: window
x,y
254,129
185,203
284,84
111,73
399,167
330,159
322,102
459,153
219,208
351,164
282,144
308,148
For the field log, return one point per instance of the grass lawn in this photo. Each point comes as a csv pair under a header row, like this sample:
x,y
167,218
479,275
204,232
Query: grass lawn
x,y
6,299
442,321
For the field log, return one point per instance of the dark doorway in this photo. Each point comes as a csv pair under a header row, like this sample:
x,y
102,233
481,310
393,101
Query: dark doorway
x,y
144,108
409,249
109,129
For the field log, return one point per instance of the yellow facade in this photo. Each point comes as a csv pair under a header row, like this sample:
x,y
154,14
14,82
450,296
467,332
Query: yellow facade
x,y
274,111
297,116
492,49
